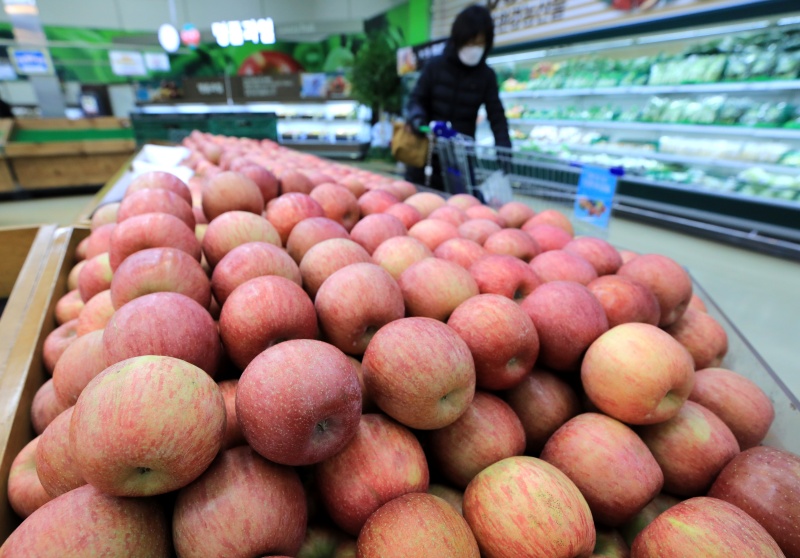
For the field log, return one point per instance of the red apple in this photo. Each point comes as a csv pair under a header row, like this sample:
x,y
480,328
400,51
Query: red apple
x,y
604,258
296,182
568,319
162,181
485,212
233,432
737,401
548,237
433,288
69,307
146,426
354,303
618,476
233,229
486,433
416,525
74,273
266,181
460,251
450,214
262,312
95,314
231,191
638,374
669,282
152,230
691,448
325,258
100,240
551,217
703,337
515,214
86,522
408,215
355,186
310,232
765,483
105,214
154,200
25,491
478,230
82,361
371,231
627,255
704,527
287,210
512,242
656,507
433,391
450,495
166,324
610,544
248,261
55,461
398,253
425,202
80,249
697,303
543,402
383,461
433,232
560,265
45,407
95,277
57,342
463,201
160,270
338,203
625,300
376,201
501,337
501,499
404,189
504,275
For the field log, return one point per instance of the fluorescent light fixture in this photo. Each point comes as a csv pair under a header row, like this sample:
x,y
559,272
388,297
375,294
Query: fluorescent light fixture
x,y
693,33
789,20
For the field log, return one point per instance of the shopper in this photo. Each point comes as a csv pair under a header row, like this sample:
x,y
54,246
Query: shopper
x,y
453,87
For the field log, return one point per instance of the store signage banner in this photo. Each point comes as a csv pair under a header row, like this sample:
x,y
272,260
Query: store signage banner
x,y
205,90
157,61
127,63
595,196
31,62
266,88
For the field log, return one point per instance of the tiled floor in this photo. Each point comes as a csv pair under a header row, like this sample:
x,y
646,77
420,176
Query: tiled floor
x,y
758,293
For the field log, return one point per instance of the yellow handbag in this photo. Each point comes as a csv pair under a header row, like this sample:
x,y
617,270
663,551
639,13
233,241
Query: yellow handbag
x,y
408,147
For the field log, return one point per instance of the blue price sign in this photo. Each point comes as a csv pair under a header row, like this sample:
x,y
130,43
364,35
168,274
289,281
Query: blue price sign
x,y
595,196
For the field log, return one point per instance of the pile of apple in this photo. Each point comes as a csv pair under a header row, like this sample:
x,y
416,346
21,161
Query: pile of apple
x,y
293,357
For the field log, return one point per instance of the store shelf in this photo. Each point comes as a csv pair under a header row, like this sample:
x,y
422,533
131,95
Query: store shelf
x,y
723,87
761,133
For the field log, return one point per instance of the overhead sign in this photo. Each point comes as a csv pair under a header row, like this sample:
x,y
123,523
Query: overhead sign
x,y
157,61
31,61
127,63
237,33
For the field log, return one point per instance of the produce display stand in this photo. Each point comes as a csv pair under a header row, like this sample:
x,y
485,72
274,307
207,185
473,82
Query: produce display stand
x,y
62,153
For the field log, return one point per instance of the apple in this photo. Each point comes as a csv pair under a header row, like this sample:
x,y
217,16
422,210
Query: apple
x,y
57,342
512,242
25,491
504,275
74,273
433,391
450,495
560,265
311,231
80,249
45,407
669,282
317,177
416,525
604,258
463,201
450,214
296,182
478,230
568,319
691,448
697,303
501,337
231,191
433,288
433,232
95,314
105,214
656,507
543,402
55,462
233,229
625,300
704,527
703,337
152,230
69,307
371,231
233,433
355,186
383,461
515,214
286,211
485,212
95,277
354,303
299,402
404,189
408,215
146,426
376,201
166,324
627,255
425,202
323,542
267,182
99,240
160,270
737,401
765,483
501,500
618,476
460,251
325,258
398,253
551,217
487,432
610,544
248,261
338,203
162,181
548,237
154,200
86,522
82,361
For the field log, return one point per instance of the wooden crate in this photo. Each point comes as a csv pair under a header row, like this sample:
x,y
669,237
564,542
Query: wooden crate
x,y
67,170
6,179
27,320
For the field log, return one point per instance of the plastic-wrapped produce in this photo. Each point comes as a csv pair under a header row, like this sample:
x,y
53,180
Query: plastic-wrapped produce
x,y
791,159
764,152
768,115
738,67
654,110
732,110
675,111
788,65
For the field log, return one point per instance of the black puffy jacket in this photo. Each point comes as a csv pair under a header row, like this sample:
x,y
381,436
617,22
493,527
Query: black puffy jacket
x,y
451,91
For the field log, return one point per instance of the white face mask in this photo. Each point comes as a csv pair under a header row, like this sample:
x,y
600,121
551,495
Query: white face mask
x,y
471,55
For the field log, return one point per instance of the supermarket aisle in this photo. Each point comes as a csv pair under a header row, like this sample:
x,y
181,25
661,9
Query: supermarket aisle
x,y
760,294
